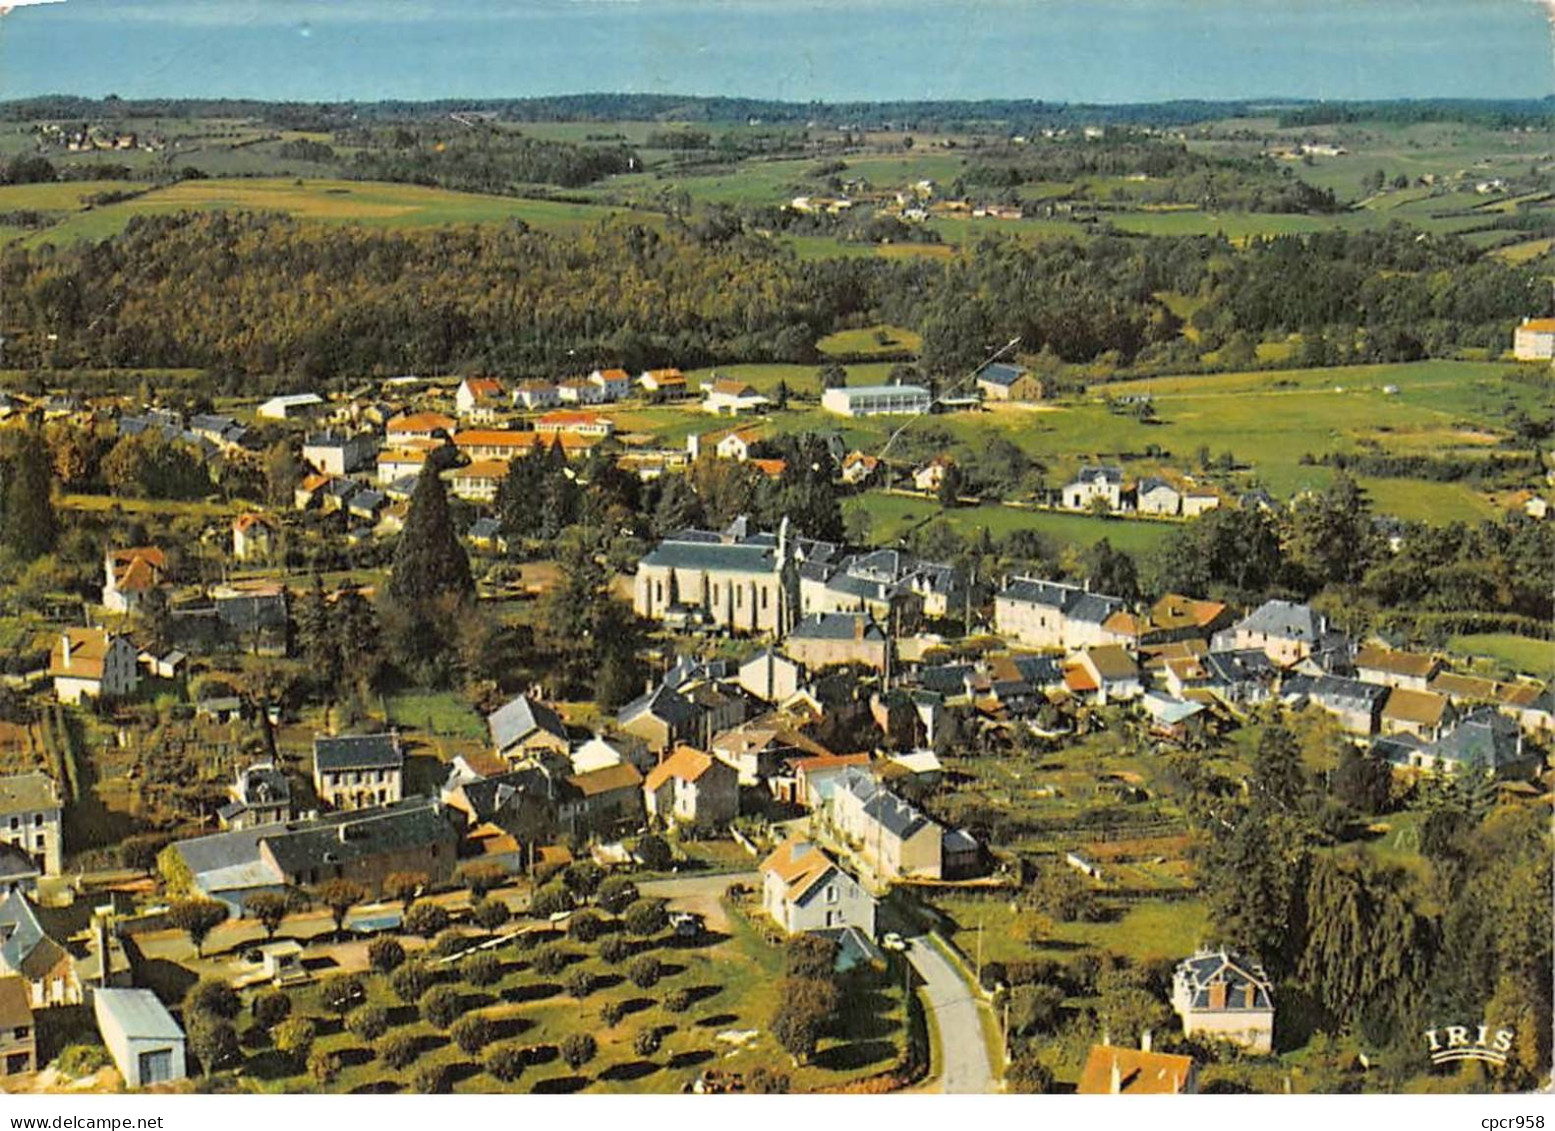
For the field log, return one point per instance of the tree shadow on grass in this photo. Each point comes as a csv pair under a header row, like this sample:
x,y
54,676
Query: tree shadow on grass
x,y
690,1058
402,1015
462,1070
607,981
534,991
717,1020
635,1005
560,1085
670,969
477,1000
506,1028
355,1057
377,1088
854,1055
270,1065
430,1042
703,992
540,1054
631,1070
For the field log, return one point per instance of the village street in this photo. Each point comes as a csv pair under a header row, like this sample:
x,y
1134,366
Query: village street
x,y
952,1010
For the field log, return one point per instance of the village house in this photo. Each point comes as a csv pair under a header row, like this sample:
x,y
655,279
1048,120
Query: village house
x,y
770,676
804,889
1357,705
561,422
1107,672
145,1042
1197,502
401,463
358,771
616,384
419,426
1423,714
254,538
525,730
692,788
534,395
130,576
602,801
18,1034
1094,483
92,663
660,718
1156,496
260,795
1177,618
738,445
1286,632
290,406
929,477
1534,340
506,444
479,481
1050,614
479,399
1111,1070
1412,671
1226,997
1484,743
823,640
877,400
761,749
893,837
1000,381
29,952
859,469
31,819
339,453
664,384
724,396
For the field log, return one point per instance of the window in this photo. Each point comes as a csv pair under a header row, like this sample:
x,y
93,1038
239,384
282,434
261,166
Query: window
x,y
38,842
22,1032
37,820
16,823
765,593
831,893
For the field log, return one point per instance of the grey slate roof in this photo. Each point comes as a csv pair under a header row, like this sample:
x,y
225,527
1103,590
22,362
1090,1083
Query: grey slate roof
x,y
1071,600
1240,665
360,834
662,703
1040,671
1208,968
1002,374
1102,474
1336,691
518,718
263,784
835,626
1285,620
900,818
1483,741
358,752
27,792
712,557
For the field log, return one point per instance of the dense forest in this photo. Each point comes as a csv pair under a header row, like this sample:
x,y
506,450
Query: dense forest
x,y
265,295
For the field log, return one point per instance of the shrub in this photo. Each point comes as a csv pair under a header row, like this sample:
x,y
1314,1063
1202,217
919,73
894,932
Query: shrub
x,y
385,955
550,959
426,919
471,1033
585,926
323,1067
616,894
677,1000
614,949
270,1008
410,981
1028,1075
213,1040
578,1049
583,878
294,1038
397,1050
368,1023
213,997
810,956
431,1080
579,983
646,1042
645,971
505,1063
450,943
482,968
482,878
655,854
83,1060
440,1006
490,914
550,900
764,1081
612,1012
645,917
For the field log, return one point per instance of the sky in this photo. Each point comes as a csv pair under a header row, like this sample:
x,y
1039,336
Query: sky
x,y
800,50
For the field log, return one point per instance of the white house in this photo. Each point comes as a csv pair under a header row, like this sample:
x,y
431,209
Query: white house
x,y
92,663
616,383
1095,483
804,889
1226,997
737,445
537,394
726,397
1157,496
289,407
479,399
1534,340
877,400
144,1040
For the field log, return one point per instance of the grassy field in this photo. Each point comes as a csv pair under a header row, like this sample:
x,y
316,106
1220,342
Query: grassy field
x,y
1520,654
866,340
436,713
1139,930
340,202
892,516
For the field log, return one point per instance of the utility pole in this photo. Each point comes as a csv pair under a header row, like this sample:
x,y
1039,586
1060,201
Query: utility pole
x,y
979,947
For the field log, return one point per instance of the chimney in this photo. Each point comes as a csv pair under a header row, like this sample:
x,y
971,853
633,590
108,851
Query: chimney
x,y
1116,1084
64,643
1217,996
694,447
858,627
1145,1041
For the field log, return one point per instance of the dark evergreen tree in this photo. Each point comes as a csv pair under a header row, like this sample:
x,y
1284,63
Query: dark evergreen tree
x,y
429,560
29,525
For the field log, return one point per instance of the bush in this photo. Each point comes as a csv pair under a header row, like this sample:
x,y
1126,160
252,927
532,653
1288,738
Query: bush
x,y
655,854
645,917
579,983
83,1060
764,1081
214,1041
578,1049
490,915
583,878
431,1080
550,959
385,955
410,981
810,956
614,949
612,1012
471,1033
616,894
644,971
585,926
294,1038
646,1042
482,968
550,900
270,1008
368,1023
214,998
323,1067
440,1006
397,1050
482,878
426,919
677,1000
1035,1009
450,943
505,1063
1028,1075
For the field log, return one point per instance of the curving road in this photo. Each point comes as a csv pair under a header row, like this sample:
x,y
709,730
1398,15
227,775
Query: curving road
x,y
953,1011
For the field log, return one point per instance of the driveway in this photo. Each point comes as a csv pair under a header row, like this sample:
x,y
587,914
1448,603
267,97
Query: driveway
x,y
702,894
953,1011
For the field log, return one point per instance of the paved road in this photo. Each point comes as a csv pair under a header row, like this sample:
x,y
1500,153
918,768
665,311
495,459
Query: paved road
x,y
954,1012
